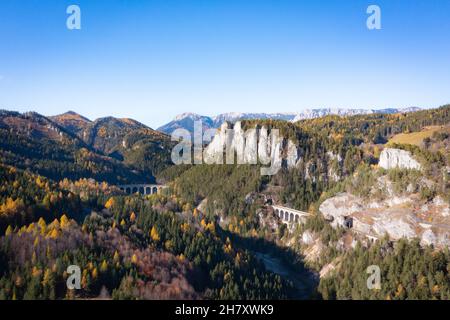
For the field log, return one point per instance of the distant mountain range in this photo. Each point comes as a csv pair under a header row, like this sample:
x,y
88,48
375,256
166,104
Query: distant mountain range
x,y
112,149
186,120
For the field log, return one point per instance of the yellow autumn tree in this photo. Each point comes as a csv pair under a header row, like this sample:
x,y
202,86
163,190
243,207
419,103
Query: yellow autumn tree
x,y
22,230
168,245
154,234
134,259
54,234
109,203
435,289
55,224
94,273
11,207
84,279
400,291
185,227
47,277
40,183
104,266
65,222
42,225
9,230
227,248
211,227
132,217
36,272
116,256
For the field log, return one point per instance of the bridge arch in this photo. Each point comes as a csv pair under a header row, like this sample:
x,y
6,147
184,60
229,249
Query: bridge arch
x,y
289,215
144,189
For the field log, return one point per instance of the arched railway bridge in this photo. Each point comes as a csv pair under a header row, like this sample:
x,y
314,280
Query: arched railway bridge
x,y
142,188
288,215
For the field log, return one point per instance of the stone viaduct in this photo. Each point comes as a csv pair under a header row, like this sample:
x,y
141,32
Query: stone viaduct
x,y
288,215
141,188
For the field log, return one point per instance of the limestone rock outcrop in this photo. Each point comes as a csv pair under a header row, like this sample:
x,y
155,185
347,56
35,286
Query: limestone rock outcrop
x,y
307,237
337,208
396,158
231,144
399,217
249,147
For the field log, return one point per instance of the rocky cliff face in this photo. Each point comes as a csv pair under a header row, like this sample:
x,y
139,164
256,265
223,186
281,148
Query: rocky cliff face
x,y
399,217
397,158
250,147
233,145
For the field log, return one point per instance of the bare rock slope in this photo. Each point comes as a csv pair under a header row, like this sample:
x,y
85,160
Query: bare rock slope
x,y
398,217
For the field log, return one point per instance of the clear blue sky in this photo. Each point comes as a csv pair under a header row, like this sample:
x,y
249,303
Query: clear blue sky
x,y
151,60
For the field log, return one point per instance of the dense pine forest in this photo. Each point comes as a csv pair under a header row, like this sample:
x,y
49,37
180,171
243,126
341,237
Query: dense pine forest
x,y
201,237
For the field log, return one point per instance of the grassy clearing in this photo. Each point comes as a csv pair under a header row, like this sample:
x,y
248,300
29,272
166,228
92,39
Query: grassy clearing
x,y
415,138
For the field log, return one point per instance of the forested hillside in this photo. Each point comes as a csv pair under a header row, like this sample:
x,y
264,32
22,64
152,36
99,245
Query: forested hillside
x,y
127,140
204,236
73,147
127,247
